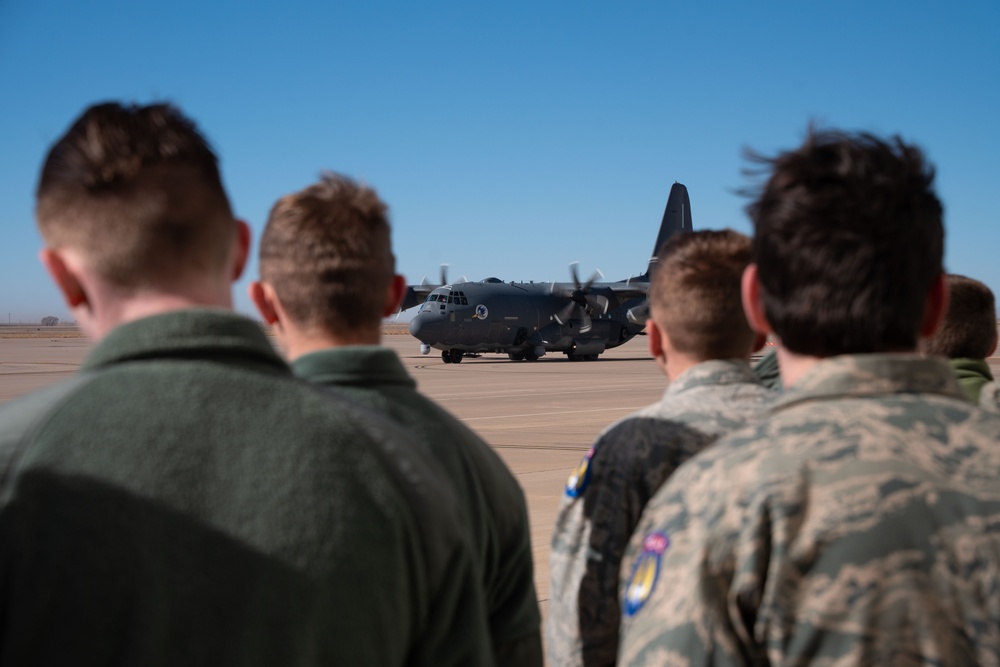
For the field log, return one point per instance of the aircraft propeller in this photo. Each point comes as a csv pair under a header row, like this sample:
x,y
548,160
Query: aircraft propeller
x,y
580,303
444,278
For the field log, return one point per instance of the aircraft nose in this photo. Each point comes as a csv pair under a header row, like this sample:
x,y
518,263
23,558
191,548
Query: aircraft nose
x,y
422,328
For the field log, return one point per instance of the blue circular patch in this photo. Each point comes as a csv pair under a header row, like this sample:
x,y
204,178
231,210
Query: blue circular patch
x,y
580,478
482,312
646,572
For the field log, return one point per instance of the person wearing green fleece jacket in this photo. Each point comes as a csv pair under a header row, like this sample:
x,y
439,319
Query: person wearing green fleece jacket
x,y
327,280
967,335
185,499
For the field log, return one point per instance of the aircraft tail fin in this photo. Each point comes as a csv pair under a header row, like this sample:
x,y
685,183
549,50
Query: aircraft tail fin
x,y
676,220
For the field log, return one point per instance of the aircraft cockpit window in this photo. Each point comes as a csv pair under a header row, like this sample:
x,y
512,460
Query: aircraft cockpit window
x,y
465,302
432,297
449,299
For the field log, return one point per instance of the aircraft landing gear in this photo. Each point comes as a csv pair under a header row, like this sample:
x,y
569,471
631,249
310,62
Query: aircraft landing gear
x,y
446,356
530,356
456,356
516,356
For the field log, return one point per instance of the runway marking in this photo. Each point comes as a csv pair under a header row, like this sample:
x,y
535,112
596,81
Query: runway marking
x,y
547,414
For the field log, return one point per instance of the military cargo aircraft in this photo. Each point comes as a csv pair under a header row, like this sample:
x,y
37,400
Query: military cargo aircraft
x,y
528,320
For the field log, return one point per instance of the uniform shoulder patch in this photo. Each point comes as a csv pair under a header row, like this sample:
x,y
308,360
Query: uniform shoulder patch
x,y
580,478
646,572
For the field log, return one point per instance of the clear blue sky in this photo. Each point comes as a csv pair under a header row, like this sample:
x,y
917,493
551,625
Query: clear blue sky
x,y
510,138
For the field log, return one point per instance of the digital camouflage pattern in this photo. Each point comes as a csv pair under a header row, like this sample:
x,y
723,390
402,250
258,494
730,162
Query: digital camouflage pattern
x,y
605,496
858,525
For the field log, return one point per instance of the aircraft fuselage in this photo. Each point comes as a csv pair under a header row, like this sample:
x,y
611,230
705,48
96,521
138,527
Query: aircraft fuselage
x,y
522,320
526,320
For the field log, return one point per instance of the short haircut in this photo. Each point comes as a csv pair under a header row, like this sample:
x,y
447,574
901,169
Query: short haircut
x,y
137,190
848,243
327,252
969,329
694,294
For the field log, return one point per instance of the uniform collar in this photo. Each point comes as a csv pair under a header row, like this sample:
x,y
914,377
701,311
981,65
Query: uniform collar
x,y
194,333
353,365
713,372
869,375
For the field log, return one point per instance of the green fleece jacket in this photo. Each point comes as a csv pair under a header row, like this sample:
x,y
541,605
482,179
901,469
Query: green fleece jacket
x,y
972,374
496,512
186,501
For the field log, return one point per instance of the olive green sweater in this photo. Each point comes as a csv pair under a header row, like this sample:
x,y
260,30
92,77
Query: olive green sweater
x,y
185,501
496,513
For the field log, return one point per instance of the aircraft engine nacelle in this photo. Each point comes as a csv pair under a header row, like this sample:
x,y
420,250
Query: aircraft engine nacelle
x,y
638,314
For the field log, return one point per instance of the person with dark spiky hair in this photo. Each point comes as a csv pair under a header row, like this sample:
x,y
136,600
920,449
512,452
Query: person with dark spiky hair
x,y
328,279
184,499
858,523
700,339
968,333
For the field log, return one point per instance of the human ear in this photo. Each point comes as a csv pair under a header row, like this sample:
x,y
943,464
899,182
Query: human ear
x,y
935,307
654,339
753,304
263,298
394,295
241,250
64,276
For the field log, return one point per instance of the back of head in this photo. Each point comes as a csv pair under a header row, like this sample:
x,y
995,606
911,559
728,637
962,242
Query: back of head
x,y
137,191
694,294
969,329
327,253
848,243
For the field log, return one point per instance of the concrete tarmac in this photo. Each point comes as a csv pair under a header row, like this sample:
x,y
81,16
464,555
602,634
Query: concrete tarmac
x,y
540,417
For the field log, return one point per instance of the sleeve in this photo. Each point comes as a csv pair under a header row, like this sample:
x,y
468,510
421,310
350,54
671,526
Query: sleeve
x,y
693,574
515,622
566,563
603,503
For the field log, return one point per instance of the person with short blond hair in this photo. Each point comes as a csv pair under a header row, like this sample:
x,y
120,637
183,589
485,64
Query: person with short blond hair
x,y
184,499
693,298
701,341
327,280
327,251
968,333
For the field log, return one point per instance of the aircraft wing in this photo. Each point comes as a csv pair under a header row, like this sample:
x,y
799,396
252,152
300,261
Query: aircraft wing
x,y
626,290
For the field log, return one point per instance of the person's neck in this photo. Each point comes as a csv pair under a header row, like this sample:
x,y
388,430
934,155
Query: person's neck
x,y
792,366
113,310
678,364
296,342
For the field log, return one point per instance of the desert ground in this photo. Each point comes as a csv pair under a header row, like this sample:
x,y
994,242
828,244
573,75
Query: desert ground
x,y
540,417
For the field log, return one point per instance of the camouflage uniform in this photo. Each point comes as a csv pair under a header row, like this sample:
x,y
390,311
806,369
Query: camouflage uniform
x,y
858,525
767,370
605,497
